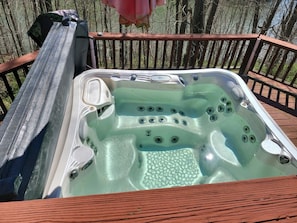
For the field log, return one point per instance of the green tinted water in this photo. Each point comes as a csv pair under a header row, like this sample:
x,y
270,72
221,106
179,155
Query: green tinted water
x,y
174,137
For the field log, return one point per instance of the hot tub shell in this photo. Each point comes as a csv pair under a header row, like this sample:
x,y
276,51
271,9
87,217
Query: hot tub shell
x,y
206,121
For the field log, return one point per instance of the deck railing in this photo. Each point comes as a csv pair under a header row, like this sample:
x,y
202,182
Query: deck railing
x,y
272,73
160,51
268,65
12,75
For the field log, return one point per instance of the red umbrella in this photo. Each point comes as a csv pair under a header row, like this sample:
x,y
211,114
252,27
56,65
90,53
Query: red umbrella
x,y
134,11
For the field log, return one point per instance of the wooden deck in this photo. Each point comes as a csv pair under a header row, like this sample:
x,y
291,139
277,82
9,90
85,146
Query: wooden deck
x,y
260,200
287,122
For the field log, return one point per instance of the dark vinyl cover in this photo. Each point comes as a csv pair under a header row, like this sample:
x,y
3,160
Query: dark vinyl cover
x,y
30,130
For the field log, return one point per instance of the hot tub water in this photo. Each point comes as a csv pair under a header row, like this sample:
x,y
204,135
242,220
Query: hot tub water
x,y
160,133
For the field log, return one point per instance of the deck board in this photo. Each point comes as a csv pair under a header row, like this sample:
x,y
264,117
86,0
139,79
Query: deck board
x,y
271,199
287,122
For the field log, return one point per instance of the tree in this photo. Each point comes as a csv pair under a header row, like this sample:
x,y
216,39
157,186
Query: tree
x,y
268,21
184,16
288,22
256,16
12,27
198,17
45,6
179,16
212,13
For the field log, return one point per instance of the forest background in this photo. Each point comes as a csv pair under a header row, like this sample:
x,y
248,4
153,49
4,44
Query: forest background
x,y
275,18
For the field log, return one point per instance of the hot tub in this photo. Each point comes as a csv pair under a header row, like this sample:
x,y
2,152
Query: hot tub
x,y
136,130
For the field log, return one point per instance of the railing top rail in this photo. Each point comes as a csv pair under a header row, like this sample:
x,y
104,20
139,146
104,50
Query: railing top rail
x,y
277,42
197,37
18,62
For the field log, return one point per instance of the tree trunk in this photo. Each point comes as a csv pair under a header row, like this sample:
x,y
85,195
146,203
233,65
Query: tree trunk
x,y
288,23
45,6
27,20
12,27
256,16
182,30
48,5
176,15
184,9
270,17
105,23
243,20
213,10
198,27
75,5
95,8
198,17
5,49
57,4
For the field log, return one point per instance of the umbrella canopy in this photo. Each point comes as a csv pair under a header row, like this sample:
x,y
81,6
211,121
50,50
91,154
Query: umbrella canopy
x,y
134,11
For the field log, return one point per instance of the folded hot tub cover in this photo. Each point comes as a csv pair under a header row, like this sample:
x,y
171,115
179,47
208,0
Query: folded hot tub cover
x,y
134,11
41,26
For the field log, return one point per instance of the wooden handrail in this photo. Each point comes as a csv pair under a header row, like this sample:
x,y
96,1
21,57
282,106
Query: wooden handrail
x,y
13,69
284,44
18,62
194,37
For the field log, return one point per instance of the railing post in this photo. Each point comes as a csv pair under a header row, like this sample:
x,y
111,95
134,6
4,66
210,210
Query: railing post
x,y
250,57
8,88
3,108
